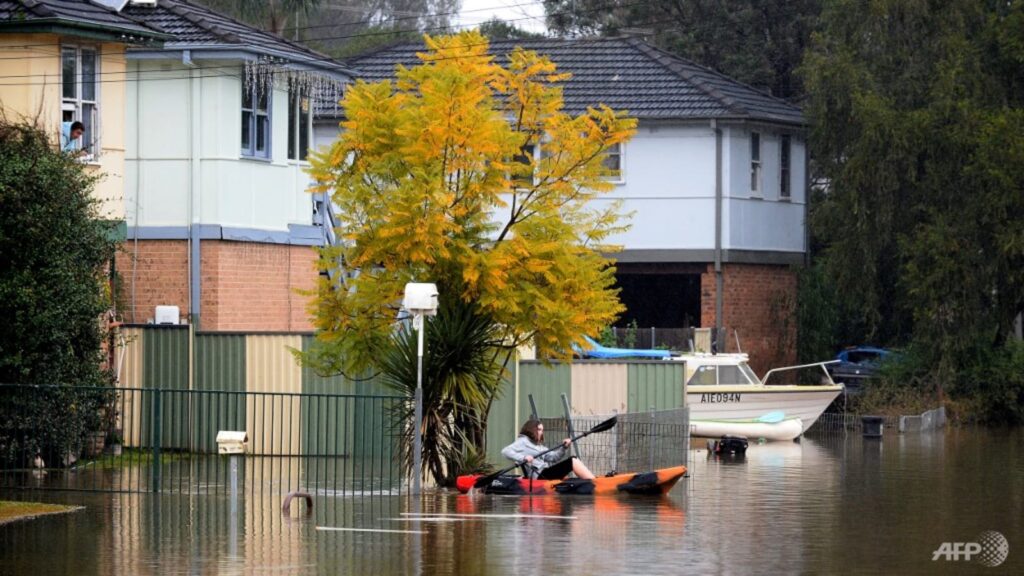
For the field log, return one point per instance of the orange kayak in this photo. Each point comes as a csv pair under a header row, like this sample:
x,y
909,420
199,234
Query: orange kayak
x,y
651,483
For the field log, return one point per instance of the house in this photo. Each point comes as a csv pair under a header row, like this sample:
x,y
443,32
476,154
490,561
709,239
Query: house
x,y
219,220
64,62
716,176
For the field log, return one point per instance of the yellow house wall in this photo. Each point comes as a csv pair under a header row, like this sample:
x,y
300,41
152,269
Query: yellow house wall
x,y
30,89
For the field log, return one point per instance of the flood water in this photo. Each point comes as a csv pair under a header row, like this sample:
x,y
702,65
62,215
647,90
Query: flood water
x,y
826,505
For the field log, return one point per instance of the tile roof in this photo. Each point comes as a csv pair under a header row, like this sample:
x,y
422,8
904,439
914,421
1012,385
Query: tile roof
x,y
623,73
80,14
192,26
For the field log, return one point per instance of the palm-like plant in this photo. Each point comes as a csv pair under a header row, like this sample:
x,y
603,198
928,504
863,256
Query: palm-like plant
x,y
463,365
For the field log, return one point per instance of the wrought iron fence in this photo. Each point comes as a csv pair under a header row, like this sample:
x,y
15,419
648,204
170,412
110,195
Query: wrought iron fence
x,y
161,440
640,441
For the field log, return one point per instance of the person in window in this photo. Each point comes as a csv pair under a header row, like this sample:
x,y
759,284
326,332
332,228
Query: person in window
x,y
71,137
554,465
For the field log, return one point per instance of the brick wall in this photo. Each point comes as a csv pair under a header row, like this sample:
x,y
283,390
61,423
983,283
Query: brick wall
x,y
245,285
250,286
159,270
758,301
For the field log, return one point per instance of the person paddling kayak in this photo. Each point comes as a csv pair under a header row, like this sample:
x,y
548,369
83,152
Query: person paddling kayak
x,y
551,466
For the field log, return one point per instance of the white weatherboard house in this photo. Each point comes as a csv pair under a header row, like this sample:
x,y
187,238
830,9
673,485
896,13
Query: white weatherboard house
x,y
716,176
218,128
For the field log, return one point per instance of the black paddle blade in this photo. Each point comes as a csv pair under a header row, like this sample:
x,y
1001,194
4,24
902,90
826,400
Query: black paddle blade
x,y
605,426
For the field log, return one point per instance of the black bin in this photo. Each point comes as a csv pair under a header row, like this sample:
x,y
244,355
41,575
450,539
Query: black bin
x,y
872,426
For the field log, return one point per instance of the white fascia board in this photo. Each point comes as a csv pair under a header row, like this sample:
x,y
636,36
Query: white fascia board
x,y
198,52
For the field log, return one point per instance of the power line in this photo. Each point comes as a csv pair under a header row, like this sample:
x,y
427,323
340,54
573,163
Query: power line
x,y
327,59
340,24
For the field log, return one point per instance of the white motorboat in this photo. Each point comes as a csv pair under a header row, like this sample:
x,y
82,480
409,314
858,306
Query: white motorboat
x,y
726,397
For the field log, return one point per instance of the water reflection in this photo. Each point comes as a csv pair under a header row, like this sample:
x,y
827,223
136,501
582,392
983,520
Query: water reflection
x,y
828,505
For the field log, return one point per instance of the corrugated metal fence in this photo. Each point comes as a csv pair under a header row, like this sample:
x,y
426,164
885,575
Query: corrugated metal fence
x,y
318,443
179,388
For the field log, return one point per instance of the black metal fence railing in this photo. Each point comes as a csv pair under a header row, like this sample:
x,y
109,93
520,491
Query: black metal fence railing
x,y
161,440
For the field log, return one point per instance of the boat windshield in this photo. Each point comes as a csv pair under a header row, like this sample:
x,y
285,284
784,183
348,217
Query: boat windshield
x,y
749,373
725,375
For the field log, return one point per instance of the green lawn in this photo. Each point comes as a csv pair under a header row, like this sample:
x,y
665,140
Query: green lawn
x,y
11,511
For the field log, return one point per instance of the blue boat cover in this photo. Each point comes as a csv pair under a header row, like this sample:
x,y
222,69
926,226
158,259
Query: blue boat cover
x,y
598,351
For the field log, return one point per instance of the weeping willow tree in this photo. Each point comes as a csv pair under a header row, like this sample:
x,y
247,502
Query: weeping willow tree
x,y
466,173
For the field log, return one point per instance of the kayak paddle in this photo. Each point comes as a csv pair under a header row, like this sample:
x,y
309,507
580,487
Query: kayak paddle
x,y
601,427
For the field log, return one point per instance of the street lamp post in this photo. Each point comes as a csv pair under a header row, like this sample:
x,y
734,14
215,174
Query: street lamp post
x,y
420,300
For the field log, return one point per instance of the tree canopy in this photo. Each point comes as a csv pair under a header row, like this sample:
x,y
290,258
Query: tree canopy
x,y
918,130
53,251
467,173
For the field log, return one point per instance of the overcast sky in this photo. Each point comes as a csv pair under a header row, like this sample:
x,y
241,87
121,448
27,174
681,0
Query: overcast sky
x,y
526,14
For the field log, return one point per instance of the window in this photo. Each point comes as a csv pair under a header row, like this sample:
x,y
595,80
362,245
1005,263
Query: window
x,y
613,162
255,120
79,99
298,125
704,376
523,177
755,163
724,375
784,156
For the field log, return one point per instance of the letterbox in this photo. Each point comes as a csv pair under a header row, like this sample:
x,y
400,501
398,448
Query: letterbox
x,y
231,442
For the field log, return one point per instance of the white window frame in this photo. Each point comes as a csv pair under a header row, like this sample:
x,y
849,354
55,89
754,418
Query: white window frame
x,y
785,167
254,121
756,187
295,150
75,105
621,153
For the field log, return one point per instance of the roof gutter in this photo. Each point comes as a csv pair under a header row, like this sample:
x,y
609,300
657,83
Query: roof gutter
x,y
241,52
82,29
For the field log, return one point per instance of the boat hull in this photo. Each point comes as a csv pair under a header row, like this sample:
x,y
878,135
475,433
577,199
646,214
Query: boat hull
x,y
752,402
652,483
787,429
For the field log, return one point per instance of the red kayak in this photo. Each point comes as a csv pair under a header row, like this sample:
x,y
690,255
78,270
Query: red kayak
x,y
648,483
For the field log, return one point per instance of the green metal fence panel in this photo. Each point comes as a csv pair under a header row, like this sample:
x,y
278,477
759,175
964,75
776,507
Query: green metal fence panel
x,y
658,385
363,421
501,420
219,366
326,422
165,367
546,384
313,383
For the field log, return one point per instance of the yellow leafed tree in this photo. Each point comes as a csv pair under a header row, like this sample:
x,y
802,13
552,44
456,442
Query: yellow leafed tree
x,y
466,172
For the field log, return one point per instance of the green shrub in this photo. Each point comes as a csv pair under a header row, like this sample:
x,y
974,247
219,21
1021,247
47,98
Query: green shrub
x,y
54,249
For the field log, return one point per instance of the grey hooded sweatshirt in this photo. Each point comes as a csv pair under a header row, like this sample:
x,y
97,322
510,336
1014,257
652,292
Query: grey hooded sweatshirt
x,y
523,447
